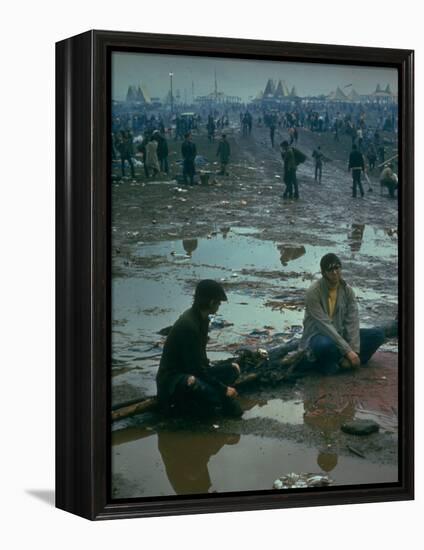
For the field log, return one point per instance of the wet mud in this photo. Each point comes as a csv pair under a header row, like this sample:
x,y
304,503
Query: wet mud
x,y
266,252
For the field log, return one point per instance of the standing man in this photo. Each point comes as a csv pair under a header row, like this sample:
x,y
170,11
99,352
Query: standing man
x,y
162,151
125,148
223,153
272,126
317,155
371,156
189,152
185,380
357,165
331,334
289,179
211,128
152,161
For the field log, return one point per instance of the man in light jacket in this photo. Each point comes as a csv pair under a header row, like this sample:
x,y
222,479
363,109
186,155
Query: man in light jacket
x,y
331,333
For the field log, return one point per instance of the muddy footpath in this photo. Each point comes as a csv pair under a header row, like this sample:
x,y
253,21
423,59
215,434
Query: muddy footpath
x,y
265,250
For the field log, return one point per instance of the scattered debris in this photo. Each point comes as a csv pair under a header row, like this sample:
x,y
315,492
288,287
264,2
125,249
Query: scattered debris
x,y
355,451
219,323
360,427
302,481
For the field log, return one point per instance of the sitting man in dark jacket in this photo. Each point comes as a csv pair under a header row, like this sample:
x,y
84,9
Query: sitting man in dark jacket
x,y
186,382
331,333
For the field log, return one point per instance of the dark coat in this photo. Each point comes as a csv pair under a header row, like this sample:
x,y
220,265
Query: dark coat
x,y
162,151
188,151
289,165
356,161
224,151
184,354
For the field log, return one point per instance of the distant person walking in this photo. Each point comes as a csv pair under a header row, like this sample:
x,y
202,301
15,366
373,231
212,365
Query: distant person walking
x,y
357,165
211,128
371,156
125,148
318,156
224,152
290,166
189,152
272,132
162,151
152,161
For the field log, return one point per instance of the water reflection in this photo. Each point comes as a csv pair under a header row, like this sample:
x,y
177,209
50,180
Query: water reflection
x,y
289,411
327,460
186,458
289,253
326,410
356,236
190,245
224,231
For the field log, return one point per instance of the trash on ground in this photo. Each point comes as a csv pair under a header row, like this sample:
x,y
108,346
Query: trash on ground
x,y
360,427
355,451
302,481
219,323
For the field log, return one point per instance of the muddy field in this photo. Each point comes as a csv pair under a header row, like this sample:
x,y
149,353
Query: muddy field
x,y
265,250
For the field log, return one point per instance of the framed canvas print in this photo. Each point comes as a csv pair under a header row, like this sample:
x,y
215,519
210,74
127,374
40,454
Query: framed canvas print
x,y
234,274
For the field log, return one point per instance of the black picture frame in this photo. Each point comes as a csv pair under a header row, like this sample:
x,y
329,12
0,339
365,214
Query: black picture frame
x,y
83,273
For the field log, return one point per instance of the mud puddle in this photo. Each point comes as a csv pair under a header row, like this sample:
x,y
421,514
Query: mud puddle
x,y
147,463
160,288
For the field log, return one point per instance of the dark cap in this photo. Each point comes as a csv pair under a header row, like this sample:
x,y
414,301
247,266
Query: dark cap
x,y
209,290
329,262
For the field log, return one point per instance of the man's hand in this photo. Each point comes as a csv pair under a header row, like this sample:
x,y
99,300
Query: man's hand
x,y
353,358
191,380
231,392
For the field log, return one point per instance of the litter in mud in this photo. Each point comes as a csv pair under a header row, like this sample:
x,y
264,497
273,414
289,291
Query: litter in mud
x,y
301,481
360,427
355,451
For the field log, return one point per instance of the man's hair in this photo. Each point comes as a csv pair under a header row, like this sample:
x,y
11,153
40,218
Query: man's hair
x,y
224,136
354,147
187,135
329,261
208,290
284,143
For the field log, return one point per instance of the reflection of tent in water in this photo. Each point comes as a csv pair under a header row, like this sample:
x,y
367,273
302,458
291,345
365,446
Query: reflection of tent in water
x,y
190,245
289,253
355,237
186,457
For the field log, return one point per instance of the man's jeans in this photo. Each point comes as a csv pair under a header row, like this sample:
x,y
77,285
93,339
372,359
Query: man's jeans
x,y
356,182
328,355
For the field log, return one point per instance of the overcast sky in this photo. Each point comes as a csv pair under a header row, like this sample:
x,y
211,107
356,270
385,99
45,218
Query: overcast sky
x,y
243,78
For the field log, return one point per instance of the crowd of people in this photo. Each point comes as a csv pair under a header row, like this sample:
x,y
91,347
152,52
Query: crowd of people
x,y
148,136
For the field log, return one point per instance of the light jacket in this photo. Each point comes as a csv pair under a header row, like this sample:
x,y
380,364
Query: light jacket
x,y
343,328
